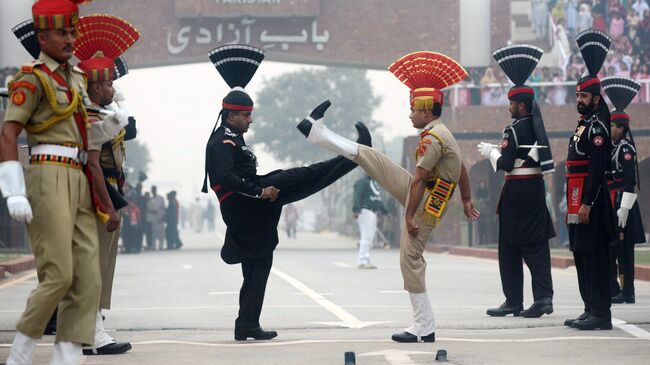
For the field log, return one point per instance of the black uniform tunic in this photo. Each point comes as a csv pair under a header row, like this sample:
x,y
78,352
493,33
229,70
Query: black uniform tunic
x,y
523,216
591,146
251,234
252,222
525,225
622,178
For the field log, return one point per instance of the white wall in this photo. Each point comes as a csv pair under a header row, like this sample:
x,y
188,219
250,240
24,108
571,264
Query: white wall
x,y
475,33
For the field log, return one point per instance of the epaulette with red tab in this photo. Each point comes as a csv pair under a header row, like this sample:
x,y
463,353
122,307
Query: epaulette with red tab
x,y
27,69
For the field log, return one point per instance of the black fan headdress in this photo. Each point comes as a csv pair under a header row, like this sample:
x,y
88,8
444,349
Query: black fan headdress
x,y
121,68
518,61
237,64
594,46
621,91
27,37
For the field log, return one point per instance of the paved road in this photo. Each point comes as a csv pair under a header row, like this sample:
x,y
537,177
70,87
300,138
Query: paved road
x,y
179,308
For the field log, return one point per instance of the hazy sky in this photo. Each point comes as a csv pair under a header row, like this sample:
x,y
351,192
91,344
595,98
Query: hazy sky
x,y
176,107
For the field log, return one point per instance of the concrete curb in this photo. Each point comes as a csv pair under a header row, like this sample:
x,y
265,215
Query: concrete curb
x,y
17,265
641,272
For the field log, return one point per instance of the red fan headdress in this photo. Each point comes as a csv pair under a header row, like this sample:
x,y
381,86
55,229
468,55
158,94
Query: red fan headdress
x,y
426,74
55,14
103,39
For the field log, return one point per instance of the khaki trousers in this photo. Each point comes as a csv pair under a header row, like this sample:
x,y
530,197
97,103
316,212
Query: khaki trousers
x,y
107,256
396,180
63,237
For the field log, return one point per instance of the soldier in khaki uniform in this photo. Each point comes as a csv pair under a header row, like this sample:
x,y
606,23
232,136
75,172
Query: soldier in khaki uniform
x,y
98,56
426,193
46,99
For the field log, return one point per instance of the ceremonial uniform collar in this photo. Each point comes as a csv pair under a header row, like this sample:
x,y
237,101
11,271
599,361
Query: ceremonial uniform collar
x,y
521,119
621,140
431,124
53,64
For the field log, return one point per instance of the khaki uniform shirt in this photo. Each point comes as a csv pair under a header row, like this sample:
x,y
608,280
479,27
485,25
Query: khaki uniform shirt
x,y
439,153
28,104
112,153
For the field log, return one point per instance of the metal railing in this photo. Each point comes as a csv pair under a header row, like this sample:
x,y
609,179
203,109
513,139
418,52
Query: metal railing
x,y
456,101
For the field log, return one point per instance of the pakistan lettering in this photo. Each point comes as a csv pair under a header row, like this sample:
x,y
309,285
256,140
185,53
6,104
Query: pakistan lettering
x,y
233,33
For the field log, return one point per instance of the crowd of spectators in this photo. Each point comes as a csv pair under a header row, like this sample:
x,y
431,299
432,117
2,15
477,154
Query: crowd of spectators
x,y
626,21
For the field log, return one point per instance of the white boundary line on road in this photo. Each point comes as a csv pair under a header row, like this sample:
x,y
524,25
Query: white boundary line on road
x,y
274,343
347,319
630,328
17,280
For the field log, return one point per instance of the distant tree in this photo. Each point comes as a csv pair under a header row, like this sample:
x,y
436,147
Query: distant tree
x,y
285,100
137,159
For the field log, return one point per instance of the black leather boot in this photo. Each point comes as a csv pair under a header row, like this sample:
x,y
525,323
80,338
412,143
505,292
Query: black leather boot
x,y
505,309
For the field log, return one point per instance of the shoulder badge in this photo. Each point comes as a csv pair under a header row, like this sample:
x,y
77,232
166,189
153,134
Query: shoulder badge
x,y
24,84
229,141
18,97
27,69
627,156
598,141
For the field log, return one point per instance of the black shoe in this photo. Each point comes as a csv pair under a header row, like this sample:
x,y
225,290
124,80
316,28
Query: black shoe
x,y
621,298
539,308
112,348
409,337
255,334
363,134
505,309
569,322
305,126
593,323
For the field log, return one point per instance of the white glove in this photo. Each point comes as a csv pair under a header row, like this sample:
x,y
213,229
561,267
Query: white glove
x,y
622,213
627,202
105,130
120,100
19,209
118,95
490,151
485,148
12,186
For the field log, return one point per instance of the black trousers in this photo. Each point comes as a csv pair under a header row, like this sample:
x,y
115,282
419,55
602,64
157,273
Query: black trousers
x,y
594,279
621,253
538,260
172,237
256,273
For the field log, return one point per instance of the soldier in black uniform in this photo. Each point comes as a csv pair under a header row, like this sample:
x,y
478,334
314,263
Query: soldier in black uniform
x,y
525,224
251,204
623,180
589,210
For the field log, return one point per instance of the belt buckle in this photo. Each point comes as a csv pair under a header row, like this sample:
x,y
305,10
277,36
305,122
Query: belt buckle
x,y
82,156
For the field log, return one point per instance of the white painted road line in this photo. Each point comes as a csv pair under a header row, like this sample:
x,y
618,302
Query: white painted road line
x,y
275,343
223,292
347,319
393,292
17,280
630,328
340,264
